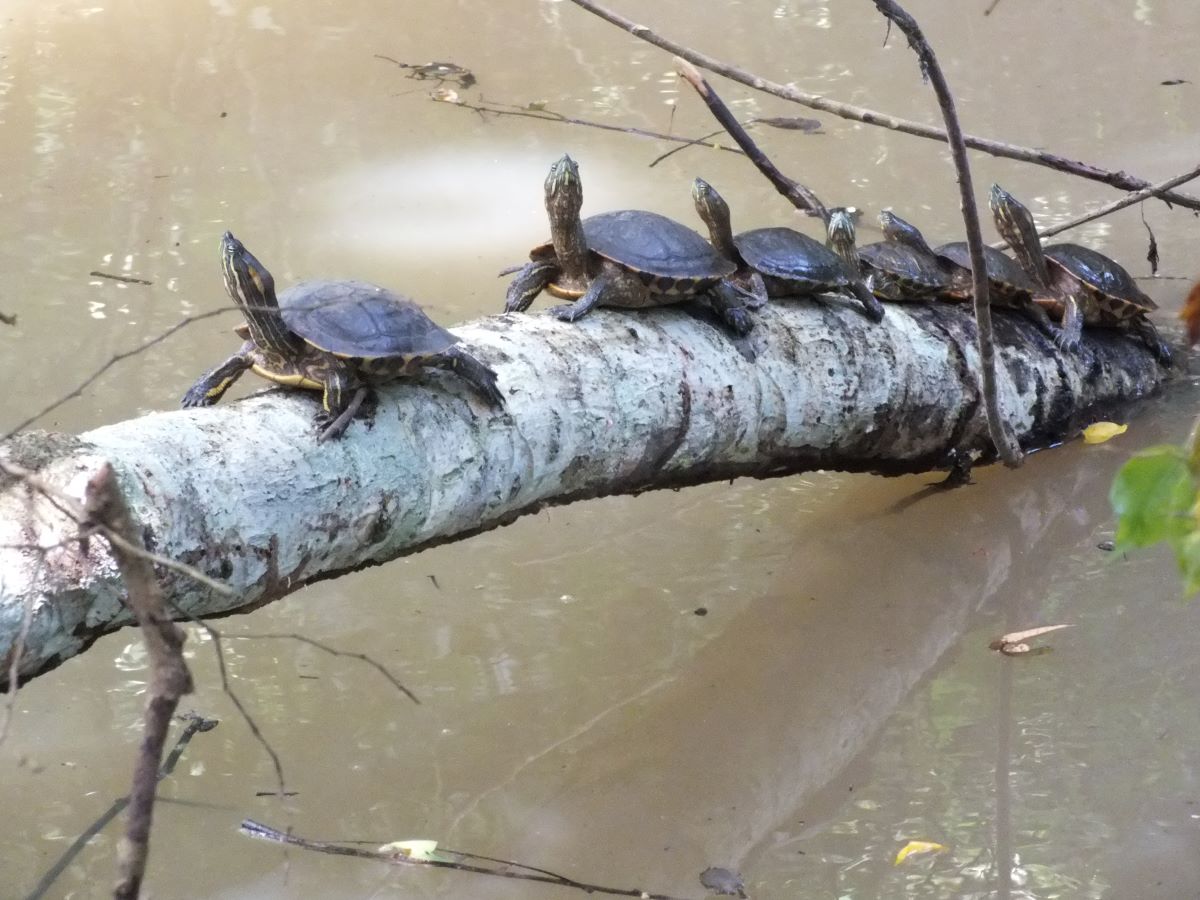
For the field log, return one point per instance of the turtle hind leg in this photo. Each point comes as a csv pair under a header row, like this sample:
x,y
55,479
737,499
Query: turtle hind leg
x,y
1144,329
213,384
531,280
343,396
482,378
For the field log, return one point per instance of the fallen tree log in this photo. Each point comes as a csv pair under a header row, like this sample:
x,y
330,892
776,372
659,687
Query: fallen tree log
x,y
620,403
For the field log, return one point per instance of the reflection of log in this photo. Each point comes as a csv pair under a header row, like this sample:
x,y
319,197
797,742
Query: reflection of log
x,y
617,404
754,735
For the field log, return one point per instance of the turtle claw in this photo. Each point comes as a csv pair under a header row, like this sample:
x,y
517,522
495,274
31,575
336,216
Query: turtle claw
x,y
1066,343
567,312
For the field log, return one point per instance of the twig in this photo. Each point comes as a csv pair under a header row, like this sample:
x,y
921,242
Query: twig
x,y
169,675
1120,180
332,651
543,115
265,832
195,724
1006,446
991,7
216,637
797,194
112,361
127,279
18,649
700,141
1128,200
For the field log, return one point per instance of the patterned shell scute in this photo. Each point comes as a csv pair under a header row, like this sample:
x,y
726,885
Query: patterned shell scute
x,y
654,245
1100,273
357,319
1001,268
904,263
787,254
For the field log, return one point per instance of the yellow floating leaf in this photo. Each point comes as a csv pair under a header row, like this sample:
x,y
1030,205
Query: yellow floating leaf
x,y
410,849
1099,432
912,848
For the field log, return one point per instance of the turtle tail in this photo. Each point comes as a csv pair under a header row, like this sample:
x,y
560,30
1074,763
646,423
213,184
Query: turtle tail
x,y
482,378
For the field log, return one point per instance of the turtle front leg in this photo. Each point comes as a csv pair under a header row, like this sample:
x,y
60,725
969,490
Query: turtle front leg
x,y
872,308
1032,311
531,280
730,304
1144,329
344,394
1071,334
216,381
480,377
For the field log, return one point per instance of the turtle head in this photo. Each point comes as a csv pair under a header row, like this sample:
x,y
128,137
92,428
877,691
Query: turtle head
x,y
246,279
842,236
564,190
1015,223
898,231
714,212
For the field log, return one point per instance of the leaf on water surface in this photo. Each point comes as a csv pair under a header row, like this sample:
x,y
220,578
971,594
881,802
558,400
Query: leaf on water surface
x,y
1099,432
444,95
1014,641
723,881
1171,82
1154,498
1191,314
412,849
912,848
790,123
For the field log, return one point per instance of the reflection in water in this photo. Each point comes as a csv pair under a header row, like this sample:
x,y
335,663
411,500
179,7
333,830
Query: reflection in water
x,y
836,699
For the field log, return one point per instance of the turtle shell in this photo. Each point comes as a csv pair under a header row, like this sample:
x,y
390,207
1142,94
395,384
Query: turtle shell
x,y
905,266
357,320
791,256
1004,273
1108,280
656,247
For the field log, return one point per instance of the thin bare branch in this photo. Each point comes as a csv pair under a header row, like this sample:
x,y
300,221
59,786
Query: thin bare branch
x,y
1120,180
169,676
545,115
797,194
1006,445
195,725
112,361
505,867
332,651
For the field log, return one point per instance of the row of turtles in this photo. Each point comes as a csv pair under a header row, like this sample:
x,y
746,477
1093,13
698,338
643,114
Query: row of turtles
x,y
633,258
343,337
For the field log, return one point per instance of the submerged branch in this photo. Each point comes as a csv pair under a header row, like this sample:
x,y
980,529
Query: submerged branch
x,y
1120,180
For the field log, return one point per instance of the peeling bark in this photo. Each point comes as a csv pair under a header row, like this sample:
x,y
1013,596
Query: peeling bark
x,y
620,403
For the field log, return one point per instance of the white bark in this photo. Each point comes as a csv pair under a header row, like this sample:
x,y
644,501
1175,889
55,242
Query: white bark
x,y
619,403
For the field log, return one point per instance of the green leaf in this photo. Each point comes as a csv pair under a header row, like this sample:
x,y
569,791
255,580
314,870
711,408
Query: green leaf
x,y
1187,552
1153,496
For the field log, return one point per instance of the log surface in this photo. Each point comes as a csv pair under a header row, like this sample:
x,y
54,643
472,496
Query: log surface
x,y
619,403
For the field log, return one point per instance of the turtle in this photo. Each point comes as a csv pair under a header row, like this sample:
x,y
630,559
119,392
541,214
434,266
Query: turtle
x,y
787,262
627,258
897,268
1088,288
337,337
1009,287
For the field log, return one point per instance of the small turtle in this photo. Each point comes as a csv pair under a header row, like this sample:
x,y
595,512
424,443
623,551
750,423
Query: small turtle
x,y
337,337
787,262
1089,287
1009,287
897,268
628,258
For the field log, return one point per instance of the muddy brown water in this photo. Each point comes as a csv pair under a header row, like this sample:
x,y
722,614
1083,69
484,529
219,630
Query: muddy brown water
x,y
837,698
